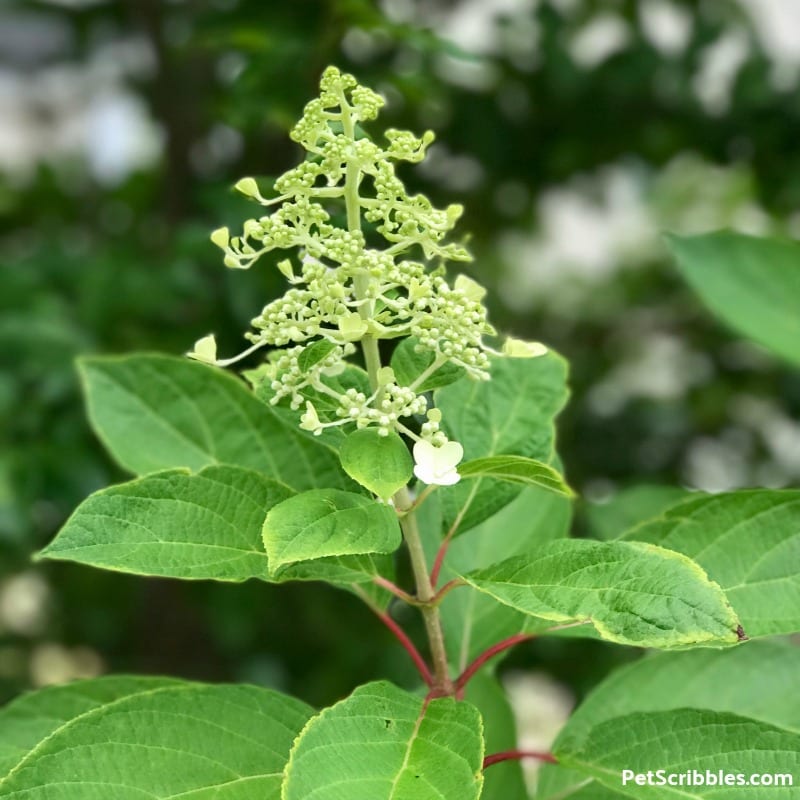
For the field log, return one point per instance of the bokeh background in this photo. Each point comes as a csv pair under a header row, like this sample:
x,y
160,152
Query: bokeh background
x,y
574,132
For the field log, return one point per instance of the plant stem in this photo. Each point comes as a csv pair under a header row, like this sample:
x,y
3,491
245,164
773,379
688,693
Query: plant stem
x,y
443,684
439,560
464,678
437,363
508,755
479,661
353,174
352,203
423,496
385,583
447,588
372,358
401,636
440,555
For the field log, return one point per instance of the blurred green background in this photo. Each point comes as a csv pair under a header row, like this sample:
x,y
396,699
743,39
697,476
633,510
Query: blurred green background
x,y
574,132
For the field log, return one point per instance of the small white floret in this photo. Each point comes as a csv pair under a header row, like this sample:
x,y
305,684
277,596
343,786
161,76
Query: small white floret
x,y
437,465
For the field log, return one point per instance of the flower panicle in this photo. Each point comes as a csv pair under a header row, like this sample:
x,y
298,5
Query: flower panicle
x,y
344,288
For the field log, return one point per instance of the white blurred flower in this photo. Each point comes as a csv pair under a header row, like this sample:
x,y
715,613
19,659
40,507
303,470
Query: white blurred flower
x,y
437,465
24,600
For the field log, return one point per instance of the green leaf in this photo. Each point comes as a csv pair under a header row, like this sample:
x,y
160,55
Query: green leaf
x,y
408,365
204,526
158,412
590,790
504,781
473,620
380,463
343,571
516,469
314,353
513,414
752,284
137,738
678,741
382,743
732,680
629,506
557,782
31,718
328,522
632,593
749,543
175,524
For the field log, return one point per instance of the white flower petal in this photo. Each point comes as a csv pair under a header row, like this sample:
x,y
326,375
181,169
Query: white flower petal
x,y
424,452
436,465
447,456
449,478
423,474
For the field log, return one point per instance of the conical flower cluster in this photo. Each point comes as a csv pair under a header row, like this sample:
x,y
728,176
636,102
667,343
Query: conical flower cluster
x,y
370,266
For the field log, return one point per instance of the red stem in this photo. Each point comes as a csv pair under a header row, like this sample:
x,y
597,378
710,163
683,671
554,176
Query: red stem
x,y
418,660
437,564
479,661
448,587
508,755
385,583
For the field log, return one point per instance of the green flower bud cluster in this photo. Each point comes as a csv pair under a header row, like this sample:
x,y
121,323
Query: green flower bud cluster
x,y
346,289
452,327
290,376
384,409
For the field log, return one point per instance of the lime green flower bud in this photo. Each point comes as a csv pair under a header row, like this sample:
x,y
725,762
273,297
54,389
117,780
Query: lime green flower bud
x,y
518,348
220,237
248,187
470,288
205,350
310,421
352,327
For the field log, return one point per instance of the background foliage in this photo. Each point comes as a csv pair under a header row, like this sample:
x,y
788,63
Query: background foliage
x,y
573,132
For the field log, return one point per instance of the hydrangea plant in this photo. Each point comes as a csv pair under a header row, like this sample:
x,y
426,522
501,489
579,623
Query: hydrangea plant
x,y
386,423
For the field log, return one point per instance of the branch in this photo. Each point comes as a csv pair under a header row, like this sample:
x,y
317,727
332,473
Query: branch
x,y
408,645
479,661
385,583
447,588
508,755
425,594
437,564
